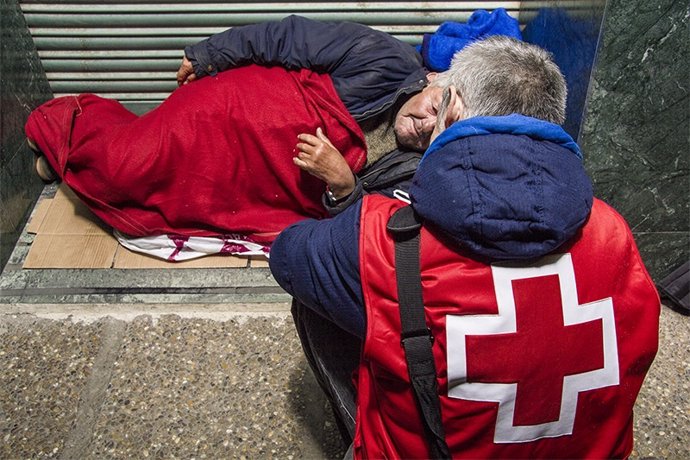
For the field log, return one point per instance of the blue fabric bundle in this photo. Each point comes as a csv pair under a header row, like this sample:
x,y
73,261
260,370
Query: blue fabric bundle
x,y
437,49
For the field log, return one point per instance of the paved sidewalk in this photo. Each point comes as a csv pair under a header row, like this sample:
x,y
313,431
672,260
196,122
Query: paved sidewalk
x,y
215,381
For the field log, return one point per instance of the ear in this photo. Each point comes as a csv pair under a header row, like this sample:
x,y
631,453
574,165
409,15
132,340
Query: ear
x,y
431,76
453,109
456,108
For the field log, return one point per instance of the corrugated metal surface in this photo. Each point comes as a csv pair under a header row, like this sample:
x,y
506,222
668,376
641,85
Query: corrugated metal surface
x,y
131,49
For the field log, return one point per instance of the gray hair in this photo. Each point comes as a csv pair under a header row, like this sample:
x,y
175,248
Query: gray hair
x,y
500,75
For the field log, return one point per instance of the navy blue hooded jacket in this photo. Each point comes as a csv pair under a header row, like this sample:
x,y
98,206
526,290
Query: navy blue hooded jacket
x,y
503,188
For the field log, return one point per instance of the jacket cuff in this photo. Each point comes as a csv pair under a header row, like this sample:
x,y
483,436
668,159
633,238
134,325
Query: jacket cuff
x,y
201,60
356,194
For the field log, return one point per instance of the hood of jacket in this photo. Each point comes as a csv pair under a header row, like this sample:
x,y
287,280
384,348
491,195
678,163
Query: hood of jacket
x,y
504,188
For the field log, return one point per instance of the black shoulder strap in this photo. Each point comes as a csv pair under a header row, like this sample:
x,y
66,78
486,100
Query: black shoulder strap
x,y
416,337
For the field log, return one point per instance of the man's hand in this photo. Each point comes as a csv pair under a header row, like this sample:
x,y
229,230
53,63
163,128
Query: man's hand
x,y
317,156
185,73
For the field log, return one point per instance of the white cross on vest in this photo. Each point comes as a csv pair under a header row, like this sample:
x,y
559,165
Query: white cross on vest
x,y
537,354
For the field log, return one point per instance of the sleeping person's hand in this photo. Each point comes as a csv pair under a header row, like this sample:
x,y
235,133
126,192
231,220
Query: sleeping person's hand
x,y
319,157
185,73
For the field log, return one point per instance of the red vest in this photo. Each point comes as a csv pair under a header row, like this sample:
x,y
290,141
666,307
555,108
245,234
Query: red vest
x,y
533,360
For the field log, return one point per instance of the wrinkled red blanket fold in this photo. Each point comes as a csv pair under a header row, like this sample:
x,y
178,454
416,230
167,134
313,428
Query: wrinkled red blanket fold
x,y
214,158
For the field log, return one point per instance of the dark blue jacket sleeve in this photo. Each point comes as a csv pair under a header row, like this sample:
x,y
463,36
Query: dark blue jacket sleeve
x,y
365,64
317,262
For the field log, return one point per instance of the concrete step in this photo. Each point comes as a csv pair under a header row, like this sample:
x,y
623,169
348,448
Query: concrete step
x,y
216,381
158,381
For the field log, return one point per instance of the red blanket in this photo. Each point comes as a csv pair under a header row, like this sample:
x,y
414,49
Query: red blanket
x,y
214,158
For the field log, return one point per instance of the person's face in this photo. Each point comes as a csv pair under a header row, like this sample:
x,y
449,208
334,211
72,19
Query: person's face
x,y
416,119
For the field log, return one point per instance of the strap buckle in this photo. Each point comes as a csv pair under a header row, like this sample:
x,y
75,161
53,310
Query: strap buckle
x,y
404,223
416,333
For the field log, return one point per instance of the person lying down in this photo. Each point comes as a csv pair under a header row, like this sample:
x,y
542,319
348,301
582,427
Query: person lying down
x,y
211,165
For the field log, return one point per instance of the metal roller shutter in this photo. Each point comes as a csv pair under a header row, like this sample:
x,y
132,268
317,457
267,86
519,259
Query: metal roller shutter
x,y
130,49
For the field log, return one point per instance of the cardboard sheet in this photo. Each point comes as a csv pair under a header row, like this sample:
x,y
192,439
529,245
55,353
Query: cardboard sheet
x,y
68,235
38,215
